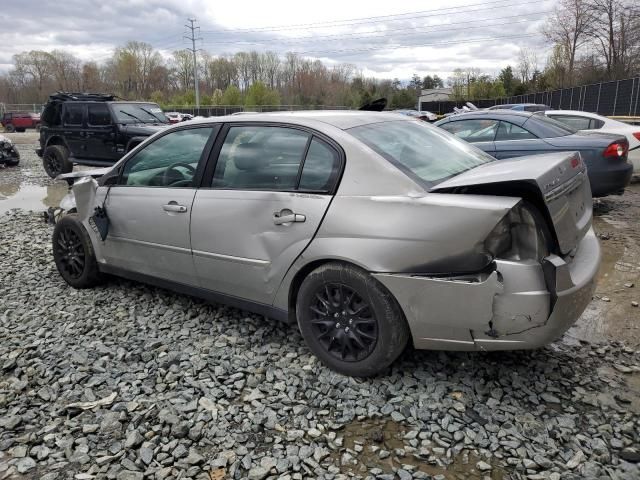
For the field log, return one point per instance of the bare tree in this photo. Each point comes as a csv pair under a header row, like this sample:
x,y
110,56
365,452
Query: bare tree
x,y
35,64
615,29
527,63
66,70
568,26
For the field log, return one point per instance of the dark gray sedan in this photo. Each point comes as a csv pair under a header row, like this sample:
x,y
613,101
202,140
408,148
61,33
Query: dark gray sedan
x,y
508,134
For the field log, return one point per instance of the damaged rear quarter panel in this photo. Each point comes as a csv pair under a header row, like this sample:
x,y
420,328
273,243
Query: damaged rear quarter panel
x,y
395,233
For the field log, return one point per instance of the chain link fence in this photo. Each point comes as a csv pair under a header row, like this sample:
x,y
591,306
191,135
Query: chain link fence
x,y
615,98
204,110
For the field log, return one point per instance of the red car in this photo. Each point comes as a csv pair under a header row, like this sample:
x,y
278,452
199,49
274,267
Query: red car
x,y
20,121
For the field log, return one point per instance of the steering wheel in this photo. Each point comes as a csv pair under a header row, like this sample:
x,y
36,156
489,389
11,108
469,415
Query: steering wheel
x,y
171,172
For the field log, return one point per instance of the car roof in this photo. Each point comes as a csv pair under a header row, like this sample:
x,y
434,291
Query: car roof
x,y
342,119
492,113
578,113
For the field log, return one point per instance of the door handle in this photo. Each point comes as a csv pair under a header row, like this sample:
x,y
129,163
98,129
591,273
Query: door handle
x,y
174,207
287,216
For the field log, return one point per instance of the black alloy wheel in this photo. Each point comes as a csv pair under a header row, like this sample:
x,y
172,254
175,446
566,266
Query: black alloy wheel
x,y
349,320
343,322
73,253
55,160
70,251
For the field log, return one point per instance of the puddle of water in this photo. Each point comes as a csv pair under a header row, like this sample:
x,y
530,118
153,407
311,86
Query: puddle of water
x,y
31,197
620,265
388,435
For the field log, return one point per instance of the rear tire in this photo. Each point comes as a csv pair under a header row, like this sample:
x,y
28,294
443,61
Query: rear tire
x,y
10,128
55,160
73,253
350,321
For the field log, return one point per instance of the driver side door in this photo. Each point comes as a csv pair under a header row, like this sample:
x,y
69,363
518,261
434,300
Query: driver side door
x,y
149,209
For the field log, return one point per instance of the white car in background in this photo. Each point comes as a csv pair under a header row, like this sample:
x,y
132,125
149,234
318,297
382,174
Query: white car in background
x,y
592,122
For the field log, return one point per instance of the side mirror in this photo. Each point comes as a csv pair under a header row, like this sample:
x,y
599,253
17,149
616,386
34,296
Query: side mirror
x,y
112,179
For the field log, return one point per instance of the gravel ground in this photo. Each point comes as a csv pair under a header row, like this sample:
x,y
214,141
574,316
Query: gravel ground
x,y
131,382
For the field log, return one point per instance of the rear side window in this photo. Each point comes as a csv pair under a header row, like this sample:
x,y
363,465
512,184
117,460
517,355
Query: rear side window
x,y
321,167
73,114
579,123
509,131
98,115
477,130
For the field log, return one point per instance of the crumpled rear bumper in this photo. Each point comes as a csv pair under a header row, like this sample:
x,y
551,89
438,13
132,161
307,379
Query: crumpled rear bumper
x,y
520,305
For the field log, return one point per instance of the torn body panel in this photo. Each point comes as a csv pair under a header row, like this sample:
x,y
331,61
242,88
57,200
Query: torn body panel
x,y
513,307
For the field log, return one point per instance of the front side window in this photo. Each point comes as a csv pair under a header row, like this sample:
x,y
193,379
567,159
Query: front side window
x,y
427,154
170,161
477,130
260,158
98,115
510,131
73,114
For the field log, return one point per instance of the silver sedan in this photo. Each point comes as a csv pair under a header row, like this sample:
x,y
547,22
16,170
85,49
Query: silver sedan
x,y
369,230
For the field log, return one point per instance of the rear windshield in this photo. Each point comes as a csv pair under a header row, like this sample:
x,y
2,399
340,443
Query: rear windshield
x,y
553,128
427,154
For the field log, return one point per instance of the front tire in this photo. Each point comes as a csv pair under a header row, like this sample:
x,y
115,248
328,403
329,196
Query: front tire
x,y
350,321
9,128
55,160
73,253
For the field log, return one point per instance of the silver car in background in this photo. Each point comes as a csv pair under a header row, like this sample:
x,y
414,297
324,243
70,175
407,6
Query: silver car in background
x,y
369,230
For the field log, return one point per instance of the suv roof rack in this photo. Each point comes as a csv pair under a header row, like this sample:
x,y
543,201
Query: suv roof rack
x,y
82,97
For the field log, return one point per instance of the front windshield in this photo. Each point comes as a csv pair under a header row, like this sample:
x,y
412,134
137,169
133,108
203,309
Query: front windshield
x,y
428,154
138,113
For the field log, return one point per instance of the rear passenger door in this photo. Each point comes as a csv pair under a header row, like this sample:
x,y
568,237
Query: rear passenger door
x,y
73,117
515,141
259,207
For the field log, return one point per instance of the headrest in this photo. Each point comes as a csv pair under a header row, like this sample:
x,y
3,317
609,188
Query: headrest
x,y
249,156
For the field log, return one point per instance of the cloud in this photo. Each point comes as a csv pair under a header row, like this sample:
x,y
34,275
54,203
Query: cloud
x,y
393,40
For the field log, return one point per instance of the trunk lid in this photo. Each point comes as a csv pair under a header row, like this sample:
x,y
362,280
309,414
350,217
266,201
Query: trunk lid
x,y
561,178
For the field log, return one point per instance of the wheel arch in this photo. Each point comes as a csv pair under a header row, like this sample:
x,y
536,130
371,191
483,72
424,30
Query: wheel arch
x,y
56,140
134,142
302,273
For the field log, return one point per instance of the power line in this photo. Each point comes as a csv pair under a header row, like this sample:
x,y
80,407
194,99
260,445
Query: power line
x,y
193,39
356,35
456,42
382,18
437,29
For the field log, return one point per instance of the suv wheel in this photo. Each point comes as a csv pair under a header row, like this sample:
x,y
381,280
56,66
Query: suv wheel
x,y
73,253
9,127
350,321
55,160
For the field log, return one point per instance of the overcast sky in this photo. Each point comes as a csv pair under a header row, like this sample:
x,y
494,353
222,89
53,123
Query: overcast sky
x,y
385,39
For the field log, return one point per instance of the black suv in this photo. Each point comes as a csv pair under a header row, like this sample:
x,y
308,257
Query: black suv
x,y
93,129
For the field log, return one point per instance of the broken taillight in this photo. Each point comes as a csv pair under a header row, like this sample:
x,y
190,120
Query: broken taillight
x,y
616,150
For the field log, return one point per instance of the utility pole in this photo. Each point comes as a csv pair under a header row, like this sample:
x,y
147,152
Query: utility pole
x,y
193,39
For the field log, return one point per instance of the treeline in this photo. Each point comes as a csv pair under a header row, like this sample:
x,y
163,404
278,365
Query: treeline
x,y
592,40
138,71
